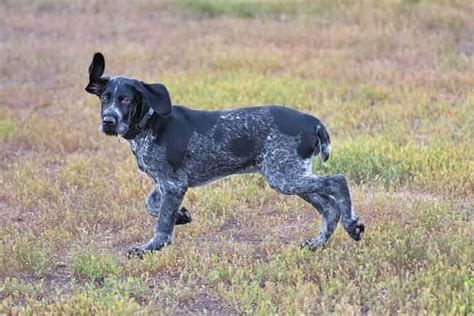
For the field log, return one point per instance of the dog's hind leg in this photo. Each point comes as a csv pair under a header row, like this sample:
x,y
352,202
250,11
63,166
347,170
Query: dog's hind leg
x,y
349,218
288,174
333,186
327,207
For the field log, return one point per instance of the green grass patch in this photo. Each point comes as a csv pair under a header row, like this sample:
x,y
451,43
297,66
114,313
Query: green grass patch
x,y
398,113
7,127
378,160
242,9
243,87
21,252
94,267
8,123
409,269
112,297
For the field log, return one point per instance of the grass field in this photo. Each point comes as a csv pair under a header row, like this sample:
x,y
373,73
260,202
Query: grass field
x,y
392,80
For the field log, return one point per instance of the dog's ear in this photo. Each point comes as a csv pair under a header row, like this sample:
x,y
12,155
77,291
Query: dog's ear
x,y
96,70
156,96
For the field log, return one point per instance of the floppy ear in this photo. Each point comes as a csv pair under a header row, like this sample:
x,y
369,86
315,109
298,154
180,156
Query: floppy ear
x,y
96,70
156,96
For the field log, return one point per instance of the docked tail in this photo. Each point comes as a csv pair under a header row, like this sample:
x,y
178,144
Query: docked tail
x,y
324,141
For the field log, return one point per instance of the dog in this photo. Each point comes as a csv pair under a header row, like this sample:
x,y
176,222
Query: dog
x,y
179,148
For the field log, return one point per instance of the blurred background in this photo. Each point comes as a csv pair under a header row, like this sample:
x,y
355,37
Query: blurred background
x,y
392,80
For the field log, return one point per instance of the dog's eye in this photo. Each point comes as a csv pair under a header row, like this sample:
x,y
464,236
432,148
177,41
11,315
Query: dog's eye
x,y
104,98
126,100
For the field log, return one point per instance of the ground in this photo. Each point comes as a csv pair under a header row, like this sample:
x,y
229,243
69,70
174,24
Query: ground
x,y
392,80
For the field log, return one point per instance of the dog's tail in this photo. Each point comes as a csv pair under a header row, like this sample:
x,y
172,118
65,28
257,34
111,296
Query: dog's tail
x,y
324,141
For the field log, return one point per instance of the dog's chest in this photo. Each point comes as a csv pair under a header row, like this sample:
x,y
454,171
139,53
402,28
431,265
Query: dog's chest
x,y
147,154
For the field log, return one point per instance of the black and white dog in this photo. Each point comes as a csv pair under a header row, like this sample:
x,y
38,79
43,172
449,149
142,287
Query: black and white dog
x,y
181,148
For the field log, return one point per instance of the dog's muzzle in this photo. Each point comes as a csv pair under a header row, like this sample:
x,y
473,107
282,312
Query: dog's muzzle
x,y
109,121
112,126
108,125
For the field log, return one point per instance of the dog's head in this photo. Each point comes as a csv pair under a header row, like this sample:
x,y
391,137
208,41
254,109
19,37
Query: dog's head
x,y
124,101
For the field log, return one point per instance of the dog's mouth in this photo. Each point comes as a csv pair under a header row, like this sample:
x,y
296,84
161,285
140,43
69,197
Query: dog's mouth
x,y
121,129
110,133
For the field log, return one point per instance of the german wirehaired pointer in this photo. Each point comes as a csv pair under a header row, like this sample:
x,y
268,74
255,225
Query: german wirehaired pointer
x,y
180,148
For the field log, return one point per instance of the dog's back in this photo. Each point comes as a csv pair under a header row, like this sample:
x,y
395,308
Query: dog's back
x,y
216,144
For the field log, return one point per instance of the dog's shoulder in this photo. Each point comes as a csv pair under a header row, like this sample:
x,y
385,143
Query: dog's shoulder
x,y
174,131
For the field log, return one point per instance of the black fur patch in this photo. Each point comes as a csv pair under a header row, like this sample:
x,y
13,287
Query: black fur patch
x,y
218,134
201,121
242,146
173,133
293,123
175,130
183,216
308,146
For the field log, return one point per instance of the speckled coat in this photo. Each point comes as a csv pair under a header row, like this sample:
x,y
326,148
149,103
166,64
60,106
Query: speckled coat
x,y
180,148
190,148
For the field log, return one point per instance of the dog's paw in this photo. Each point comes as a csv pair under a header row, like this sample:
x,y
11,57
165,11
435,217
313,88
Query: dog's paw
x,y
138,251
183,217
135,251
356,231
311,244
153,245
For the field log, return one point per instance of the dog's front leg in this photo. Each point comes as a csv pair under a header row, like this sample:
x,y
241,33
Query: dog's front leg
x,y
153,206
171,197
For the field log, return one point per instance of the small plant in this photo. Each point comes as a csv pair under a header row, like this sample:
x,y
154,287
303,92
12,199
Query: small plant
x,y
94,267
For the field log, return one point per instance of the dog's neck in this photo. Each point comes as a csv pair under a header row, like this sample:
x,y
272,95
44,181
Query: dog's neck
x,y
145,115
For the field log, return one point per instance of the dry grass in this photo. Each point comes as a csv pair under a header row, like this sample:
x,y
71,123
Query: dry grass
x,y
393,82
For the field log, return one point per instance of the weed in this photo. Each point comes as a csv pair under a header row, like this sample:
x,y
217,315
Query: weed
x,y
94,267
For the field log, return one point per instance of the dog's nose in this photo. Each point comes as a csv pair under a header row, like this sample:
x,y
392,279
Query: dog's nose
x,y
109,120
